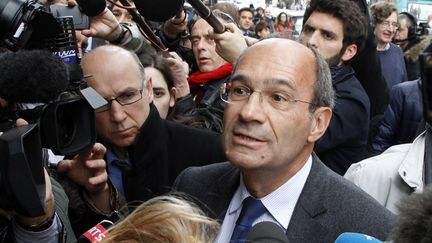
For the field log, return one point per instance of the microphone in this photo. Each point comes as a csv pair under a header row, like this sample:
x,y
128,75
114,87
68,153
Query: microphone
x,y
32,76
206,14
266,232
92,7
96,233
351,237
160,10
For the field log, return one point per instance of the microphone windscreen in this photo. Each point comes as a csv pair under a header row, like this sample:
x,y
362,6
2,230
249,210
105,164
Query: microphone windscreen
x,y
31,76
158,10
92,7
266,232
351,237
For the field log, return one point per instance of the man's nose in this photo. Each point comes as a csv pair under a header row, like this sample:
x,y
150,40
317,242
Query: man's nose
x,y
117,111
313,40
253,108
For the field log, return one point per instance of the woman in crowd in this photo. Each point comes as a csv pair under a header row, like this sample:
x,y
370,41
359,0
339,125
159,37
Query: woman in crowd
x,y
164,219
284,23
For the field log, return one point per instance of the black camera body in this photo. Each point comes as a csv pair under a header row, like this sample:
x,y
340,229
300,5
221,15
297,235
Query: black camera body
x,y
64,124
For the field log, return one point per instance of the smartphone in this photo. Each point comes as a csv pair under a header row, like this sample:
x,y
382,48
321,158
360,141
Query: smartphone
x,y
80,20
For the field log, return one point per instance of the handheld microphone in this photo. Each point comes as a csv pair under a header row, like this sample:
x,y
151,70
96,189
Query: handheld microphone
x,y
32,76
351,237
266,232
206,14
92,7
96,233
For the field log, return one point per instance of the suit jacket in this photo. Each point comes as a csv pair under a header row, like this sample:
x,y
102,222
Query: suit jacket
x,y
328,206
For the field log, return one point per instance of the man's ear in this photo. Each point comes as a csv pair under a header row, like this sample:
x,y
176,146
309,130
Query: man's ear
x,y
149,89
173,93
349,52
321,120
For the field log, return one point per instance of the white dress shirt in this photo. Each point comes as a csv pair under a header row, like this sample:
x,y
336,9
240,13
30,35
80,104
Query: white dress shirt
x,y
279,204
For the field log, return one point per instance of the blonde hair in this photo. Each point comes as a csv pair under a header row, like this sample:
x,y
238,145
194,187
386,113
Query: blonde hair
x,y
164,219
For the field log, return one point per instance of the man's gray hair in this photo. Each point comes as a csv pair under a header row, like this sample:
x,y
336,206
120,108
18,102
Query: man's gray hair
x,y
140,66
324,94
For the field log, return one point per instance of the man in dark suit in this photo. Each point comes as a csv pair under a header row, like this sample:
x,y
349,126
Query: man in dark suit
x,y
279,105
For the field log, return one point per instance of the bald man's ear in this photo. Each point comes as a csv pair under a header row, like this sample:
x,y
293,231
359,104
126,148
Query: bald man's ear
x,y
149,90
321,120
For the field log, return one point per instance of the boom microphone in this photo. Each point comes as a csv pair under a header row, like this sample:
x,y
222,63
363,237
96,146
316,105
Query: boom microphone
x,y
92,7
206,14
266,232
31,76
351,237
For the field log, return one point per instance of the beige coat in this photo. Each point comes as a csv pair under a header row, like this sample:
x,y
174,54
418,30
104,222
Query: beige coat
x,y
391,175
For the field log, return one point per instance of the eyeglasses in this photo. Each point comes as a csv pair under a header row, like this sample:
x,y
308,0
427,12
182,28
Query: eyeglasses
x,y
235,93
386,25
128,98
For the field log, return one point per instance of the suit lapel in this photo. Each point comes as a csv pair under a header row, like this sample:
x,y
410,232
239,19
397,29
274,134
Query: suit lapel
x,y
304,226
226,187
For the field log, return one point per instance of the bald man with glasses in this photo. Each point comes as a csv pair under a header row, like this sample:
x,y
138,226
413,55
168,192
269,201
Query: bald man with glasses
x,y
144,152
278,107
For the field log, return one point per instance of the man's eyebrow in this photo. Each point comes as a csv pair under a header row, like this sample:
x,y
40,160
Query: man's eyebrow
x,y
249,81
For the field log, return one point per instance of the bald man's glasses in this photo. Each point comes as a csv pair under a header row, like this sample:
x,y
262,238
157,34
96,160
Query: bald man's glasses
x,y
234,93
127,98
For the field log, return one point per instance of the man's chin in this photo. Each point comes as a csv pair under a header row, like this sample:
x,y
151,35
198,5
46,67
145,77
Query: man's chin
x,y
124,141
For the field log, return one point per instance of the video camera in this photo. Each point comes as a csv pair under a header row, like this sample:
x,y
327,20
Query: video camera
x,y
65,124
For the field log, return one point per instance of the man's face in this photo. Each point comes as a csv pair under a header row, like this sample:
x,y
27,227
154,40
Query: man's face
x,y
246,19
204,48
121,14
267,13
325,33
402,32
258,135
264,33
385,30
120,124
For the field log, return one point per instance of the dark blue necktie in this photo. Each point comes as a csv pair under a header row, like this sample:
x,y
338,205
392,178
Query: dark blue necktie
x,y
251,210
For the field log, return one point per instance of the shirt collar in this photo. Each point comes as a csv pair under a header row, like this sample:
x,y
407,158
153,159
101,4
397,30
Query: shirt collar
x,y
281,202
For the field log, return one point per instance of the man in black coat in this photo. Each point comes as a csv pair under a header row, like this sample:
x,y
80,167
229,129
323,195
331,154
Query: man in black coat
x,y
145,153
337,29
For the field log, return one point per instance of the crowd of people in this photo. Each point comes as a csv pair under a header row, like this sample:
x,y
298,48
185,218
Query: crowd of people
x,y
203,139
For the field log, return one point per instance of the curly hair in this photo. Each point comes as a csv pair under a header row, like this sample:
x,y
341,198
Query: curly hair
x,y
354,22
381,10
163,219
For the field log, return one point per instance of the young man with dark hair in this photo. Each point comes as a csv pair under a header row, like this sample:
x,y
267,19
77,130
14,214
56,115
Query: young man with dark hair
x,y
337,30
246,16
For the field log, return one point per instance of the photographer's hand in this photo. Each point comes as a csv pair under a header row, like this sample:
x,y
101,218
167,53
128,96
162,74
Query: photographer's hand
x,y
230,44
88,170
175,25
179,69
104,26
